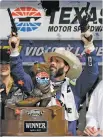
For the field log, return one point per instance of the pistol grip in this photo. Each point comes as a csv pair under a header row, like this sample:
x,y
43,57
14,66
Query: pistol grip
x,y
89,38
13,45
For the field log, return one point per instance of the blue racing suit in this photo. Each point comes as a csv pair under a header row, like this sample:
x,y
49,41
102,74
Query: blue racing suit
x,y
83,83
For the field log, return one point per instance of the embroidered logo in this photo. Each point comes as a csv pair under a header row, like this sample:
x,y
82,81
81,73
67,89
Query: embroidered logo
x,y
20,82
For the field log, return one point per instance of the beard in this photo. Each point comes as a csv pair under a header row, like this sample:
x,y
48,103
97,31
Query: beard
x,y
56,73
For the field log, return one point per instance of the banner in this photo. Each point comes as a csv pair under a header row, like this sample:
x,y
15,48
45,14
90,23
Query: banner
x,y
32,51
32,23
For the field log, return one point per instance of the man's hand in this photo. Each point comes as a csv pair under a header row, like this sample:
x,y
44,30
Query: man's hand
x,y
15,39
90,131
88,43
99,132
1,90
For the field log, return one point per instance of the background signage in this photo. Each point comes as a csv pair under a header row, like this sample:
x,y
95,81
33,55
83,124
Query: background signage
x,y
32,23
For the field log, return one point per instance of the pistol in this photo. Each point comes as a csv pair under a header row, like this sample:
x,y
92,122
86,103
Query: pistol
x,y
13,26
84,22
85,19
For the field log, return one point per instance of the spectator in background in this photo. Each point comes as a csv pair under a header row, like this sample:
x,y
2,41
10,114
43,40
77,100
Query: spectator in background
x,y
10,92
94,117
5,76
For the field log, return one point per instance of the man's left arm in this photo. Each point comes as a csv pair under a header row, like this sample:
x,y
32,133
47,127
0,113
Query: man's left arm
x,y
90,73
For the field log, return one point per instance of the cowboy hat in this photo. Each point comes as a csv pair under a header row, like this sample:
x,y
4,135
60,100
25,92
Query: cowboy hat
x,y
73,62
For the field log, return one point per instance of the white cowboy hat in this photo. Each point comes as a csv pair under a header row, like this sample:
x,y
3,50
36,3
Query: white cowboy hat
x,y
70,58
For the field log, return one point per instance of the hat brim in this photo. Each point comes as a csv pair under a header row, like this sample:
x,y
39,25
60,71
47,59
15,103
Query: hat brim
x,y
74,64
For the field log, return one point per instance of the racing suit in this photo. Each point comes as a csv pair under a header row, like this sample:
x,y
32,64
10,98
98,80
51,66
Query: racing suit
x,y
83,83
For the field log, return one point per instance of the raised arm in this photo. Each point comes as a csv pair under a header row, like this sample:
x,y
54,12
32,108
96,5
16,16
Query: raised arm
x,y
21,78
90,72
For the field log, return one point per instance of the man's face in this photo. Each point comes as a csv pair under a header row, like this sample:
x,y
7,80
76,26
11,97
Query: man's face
x,y
4,69
57,67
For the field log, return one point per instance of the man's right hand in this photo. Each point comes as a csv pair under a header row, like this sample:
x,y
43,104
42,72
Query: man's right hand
x,y
15,39
88,44
90,131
